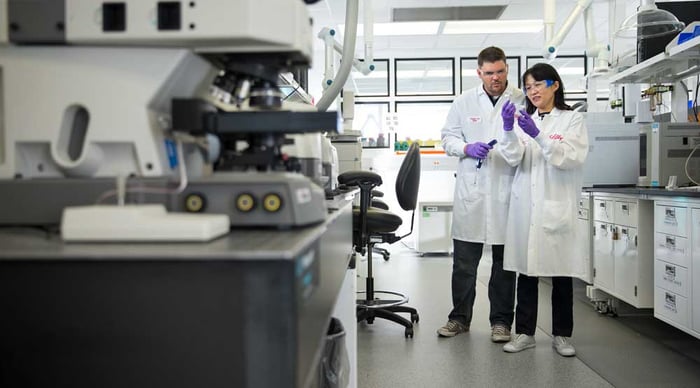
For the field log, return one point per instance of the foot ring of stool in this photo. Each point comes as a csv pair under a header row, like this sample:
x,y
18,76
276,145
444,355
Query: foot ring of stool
x,y
381,304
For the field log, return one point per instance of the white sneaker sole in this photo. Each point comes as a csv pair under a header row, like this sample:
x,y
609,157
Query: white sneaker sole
x,y
449,334
513,349
563,353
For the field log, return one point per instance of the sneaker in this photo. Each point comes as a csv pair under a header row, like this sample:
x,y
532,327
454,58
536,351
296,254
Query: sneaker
x,y
500,333
563,346
520,343
452,328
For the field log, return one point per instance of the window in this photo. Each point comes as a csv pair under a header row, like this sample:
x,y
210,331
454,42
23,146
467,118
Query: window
x,y
374,84
369,118
571,68
469,78
422,77
421,121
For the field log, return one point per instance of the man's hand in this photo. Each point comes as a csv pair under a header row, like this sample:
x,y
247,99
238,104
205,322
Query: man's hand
x,y
477,150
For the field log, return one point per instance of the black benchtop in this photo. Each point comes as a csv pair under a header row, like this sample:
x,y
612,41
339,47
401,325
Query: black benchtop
x,y
644,191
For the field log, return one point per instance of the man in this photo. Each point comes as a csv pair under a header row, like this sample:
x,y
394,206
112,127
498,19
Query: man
x,y
481,196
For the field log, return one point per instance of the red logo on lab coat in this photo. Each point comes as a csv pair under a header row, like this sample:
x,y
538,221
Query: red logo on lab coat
x,y
556,136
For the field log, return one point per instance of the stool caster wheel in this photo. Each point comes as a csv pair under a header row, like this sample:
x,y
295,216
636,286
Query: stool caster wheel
x,y
415,318
409,332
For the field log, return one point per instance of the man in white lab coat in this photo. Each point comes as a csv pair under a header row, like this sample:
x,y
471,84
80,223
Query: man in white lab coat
x,y
481,195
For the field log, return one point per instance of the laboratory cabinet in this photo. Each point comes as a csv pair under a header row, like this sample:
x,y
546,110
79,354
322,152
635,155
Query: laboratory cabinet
x,y
677,263
622,248
584,223
434,227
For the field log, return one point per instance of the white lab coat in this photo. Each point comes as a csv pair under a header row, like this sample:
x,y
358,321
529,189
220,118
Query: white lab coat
x,y
480,197
541,235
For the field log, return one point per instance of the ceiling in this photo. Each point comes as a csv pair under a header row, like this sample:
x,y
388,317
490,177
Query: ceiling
x,y
331,13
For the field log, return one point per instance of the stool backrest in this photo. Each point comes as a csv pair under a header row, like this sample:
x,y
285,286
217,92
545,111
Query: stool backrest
x,y
408,179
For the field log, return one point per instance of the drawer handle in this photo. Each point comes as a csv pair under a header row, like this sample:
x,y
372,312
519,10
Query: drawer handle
x,y
669,273
670,303
671,243
670,216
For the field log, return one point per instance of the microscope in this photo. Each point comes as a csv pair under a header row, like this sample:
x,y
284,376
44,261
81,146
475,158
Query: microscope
x,y
178,99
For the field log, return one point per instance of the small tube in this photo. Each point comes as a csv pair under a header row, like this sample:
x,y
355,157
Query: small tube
x,y
121,189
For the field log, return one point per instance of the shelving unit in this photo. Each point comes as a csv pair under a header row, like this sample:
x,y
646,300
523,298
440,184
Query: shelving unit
x,y
674,64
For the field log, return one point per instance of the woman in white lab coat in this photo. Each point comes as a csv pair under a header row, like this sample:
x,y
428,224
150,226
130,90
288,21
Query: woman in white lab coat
x,y
549,146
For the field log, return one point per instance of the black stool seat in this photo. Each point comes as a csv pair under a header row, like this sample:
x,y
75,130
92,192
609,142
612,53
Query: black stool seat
x,y
378,220
379,204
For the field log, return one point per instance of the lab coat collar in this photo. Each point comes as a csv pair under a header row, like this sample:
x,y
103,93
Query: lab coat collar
x,y
553,112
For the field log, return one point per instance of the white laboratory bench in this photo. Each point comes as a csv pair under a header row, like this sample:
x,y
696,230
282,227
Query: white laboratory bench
x,y
646,251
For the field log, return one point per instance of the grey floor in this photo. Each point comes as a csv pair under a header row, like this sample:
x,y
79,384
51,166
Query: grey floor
x,y
631,350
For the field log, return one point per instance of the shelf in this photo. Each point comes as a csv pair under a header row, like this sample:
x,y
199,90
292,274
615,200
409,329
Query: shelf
x,y
675,64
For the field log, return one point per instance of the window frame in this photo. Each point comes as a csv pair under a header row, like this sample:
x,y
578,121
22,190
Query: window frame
x,y
388,75
396,79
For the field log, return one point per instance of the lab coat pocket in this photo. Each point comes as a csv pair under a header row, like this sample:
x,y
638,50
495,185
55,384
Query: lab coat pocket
x,y
467,189
556,217
505,182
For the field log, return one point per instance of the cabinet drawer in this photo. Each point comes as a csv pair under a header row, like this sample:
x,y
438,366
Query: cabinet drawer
x,y
603,210
672,249
585,201
671,277
671,306
626,213
671,220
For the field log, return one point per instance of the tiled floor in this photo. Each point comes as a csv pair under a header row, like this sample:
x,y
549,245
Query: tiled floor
x,y
632,350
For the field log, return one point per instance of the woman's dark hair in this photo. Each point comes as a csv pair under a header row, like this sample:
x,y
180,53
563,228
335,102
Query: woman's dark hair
x,y
541,72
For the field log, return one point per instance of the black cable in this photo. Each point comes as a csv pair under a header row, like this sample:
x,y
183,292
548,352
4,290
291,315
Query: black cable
x,y
695,101
290,93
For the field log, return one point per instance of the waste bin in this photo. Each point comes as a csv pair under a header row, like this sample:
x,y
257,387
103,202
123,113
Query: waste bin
x,y
335,364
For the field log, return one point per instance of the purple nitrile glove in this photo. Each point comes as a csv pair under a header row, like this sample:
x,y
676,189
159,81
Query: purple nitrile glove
x,y
526,123
477,150
508,114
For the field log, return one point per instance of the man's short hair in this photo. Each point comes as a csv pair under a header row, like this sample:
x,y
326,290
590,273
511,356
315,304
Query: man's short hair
x,y
491,54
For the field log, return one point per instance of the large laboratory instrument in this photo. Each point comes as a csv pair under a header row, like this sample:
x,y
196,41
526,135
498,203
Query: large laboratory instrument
x,y
613,151
669,149
170,103
179,100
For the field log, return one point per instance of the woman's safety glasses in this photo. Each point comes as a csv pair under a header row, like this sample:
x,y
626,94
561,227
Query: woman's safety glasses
x,y
538,85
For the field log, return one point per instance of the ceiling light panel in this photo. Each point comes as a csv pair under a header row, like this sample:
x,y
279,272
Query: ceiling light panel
x,y
493,27
447,13
400,29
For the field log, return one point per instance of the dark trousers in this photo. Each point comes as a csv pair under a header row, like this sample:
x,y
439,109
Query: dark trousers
x,y
562,306
501,285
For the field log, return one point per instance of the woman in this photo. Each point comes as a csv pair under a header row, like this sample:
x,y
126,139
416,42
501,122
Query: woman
x,y
549,149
